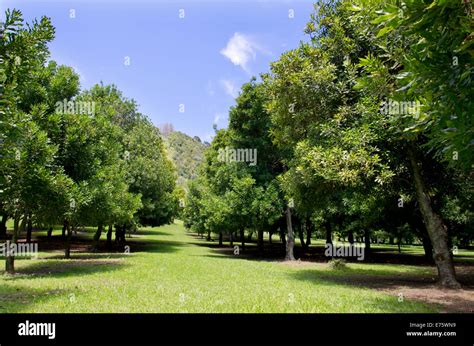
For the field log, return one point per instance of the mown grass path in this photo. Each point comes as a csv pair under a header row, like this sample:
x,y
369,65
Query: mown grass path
x,y
169,270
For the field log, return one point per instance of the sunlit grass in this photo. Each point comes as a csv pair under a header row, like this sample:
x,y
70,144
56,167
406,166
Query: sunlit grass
x,y
177,275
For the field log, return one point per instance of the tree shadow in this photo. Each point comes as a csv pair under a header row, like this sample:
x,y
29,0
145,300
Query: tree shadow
x,y
64,268
378,279
416,287
275,251
153,246
19,299
369,278
154,231
82,246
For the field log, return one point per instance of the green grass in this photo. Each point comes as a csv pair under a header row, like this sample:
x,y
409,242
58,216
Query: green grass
x,y
176,272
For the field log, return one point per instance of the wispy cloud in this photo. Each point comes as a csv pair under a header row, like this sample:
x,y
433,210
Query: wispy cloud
x,y
82,77
210,88
230,88
241,49
208,137
68,62
218,117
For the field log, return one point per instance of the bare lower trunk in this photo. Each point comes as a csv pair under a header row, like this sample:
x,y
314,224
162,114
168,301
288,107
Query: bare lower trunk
x,y
67,250
242,239
350,237
308,233
10,260
436,230
367,242
260,241
29,229
109,236
301,236
50,232
96,238
428,249
10,264
328,233
232,239
220,238
283,238
3,227
63,231
290,242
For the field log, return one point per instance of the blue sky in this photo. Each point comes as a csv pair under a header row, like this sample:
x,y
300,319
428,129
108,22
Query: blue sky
x,y
195,53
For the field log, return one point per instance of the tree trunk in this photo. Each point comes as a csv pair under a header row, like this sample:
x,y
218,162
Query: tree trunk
x,y
208,236
67,250
350,237
50,232
391,240
123,231
290,242
249,238
308,233
301,236
3,227
10,260
29,229
270,235
109,236
242,239
22,227
428,249
283,238
367,243
260,241
96,239
328,233
220,238
63,234
436,230
120,235
232,239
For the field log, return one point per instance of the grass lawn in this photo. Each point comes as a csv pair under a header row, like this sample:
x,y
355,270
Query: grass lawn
x,y
171,270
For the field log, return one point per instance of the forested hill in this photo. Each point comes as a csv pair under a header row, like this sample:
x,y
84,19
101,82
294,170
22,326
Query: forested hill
x,y
186,152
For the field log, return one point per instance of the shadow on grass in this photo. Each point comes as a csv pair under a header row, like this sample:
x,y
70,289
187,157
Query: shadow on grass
x,y
52,268
377,278
154,231
152,246
78,256
417,287
82,246
20,299
275,252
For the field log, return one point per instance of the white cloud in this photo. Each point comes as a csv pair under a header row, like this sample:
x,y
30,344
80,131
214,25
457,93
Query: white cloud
x,y
230,88
240,50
